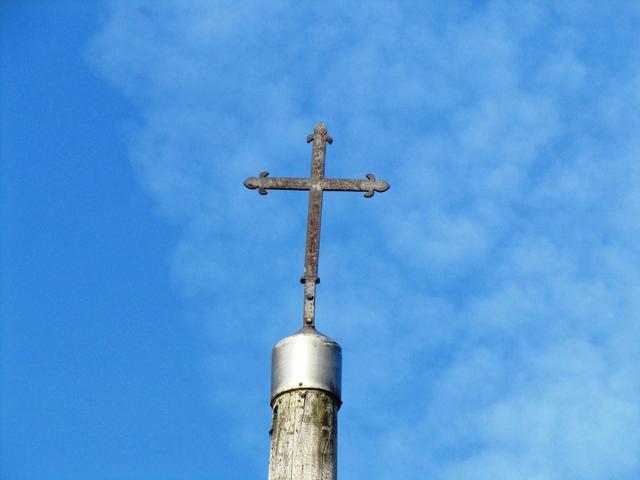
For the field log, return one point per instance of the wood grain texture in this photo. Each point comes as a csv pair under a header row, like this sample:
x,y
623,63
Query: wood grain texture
x,y
304,436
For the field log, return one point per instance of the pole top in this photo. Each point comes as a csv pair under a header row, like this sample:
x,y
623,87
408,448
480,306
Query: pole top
x,y
306,360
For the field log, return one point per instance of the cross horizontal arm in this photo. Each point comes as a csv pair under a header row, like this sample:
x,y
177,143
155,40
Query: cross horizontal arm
x,y
370,185
264,183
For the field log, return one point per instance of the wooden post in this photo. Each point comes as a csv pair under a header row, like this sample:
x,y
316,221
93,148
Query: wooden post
x,y
306,371
304,436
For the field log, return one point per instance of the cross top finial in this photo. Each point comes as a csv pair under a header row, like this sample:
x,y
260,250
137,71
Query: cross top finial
x,y
321,131
320,128
315,184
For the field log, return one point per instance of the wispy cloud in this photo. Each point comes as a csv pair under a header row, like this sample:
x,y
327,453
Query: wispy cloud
x,y
487,304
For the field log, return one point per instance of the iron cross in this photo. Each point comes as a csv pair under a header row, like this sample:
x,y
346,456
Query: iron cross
x,y
316,184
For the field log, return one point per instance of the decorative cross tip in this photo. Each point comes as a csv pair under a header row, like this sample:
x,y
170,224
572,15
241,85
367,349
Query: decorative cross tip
x,y
253,183
321,130
374,185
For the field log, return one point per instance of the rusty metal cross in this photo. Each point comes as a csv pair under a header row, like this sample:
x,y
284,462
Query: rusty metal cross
x,y
316,184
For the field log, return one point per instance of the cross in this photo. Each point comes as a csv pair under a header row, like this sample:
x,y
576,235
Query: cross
x,y
316,184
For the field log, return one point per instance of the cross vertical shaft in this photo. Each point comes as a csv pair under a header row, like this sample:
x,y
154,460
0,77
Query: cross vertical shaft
x,y
312,251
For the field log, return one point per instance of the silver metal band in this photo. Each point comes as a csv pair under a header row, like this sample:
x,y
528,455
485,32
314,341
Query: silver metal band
x,y
306,360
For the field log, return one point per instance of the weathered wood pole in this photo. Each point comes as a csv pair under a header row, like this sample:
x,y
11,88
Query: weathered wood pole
x,y
305,398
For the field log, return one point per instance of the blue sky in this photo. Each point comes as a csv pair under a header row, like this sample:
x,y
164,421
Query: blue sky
x,y
487,305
